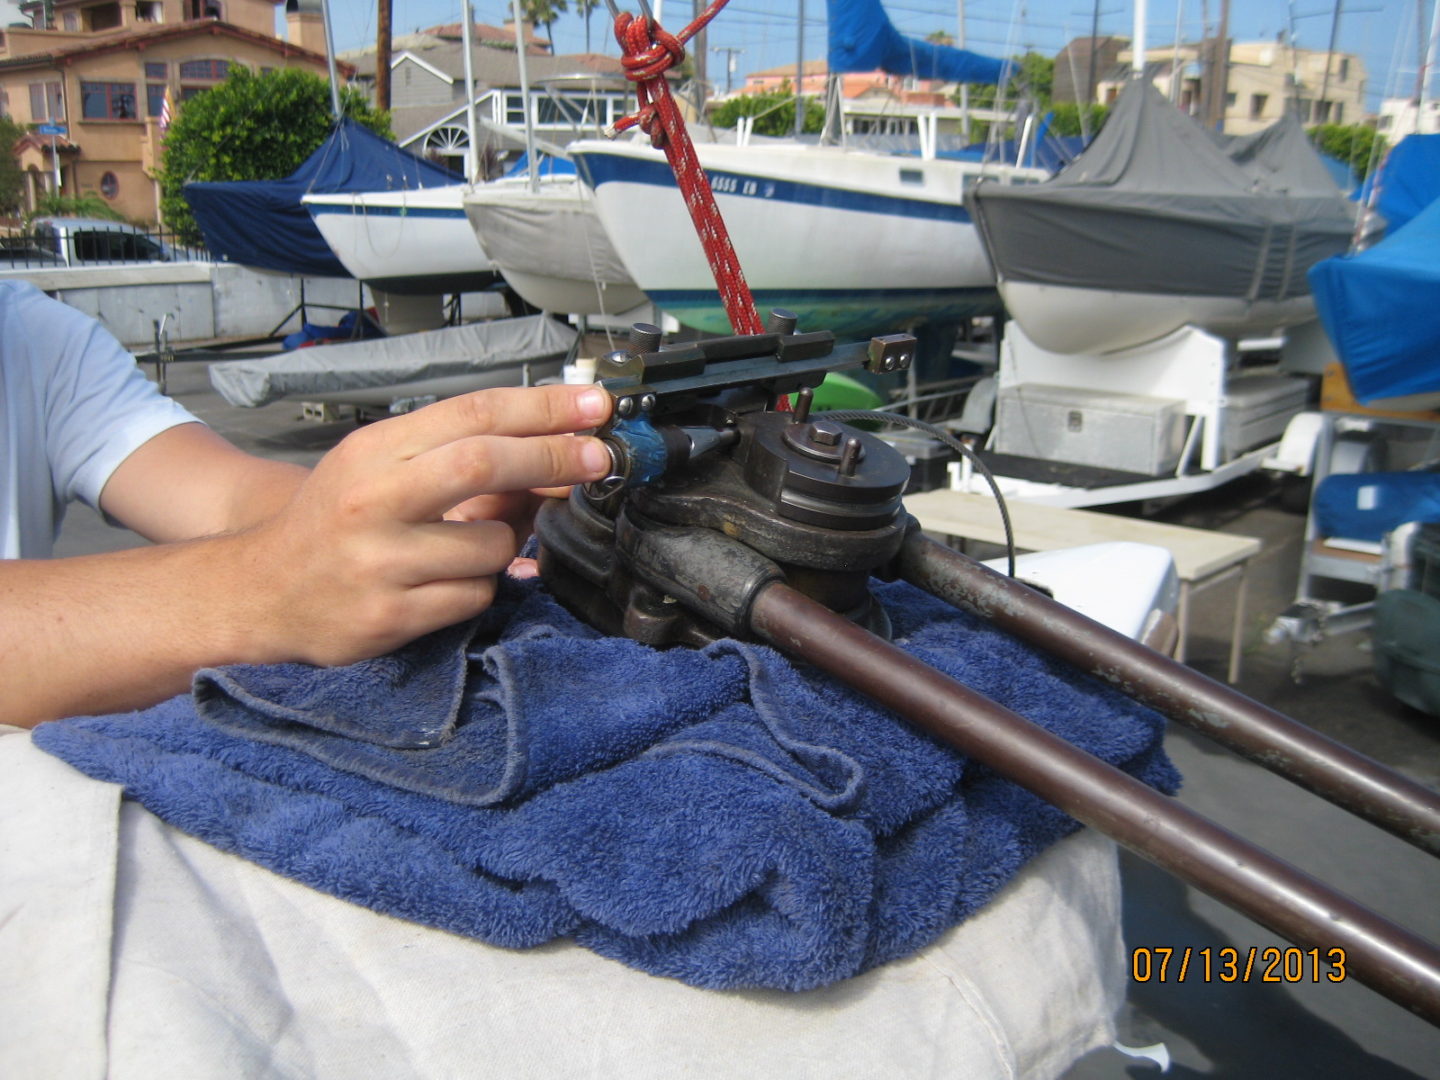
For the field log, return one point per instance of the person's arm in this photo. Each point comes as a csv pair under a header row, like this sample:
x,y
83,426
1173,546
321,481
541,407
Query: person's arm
x,y
188,482
357,562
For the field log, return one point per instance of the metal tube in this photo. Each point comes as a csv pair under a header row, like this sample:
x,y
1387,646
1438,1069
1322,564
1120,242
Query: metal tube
x,y
1284,746
1389,959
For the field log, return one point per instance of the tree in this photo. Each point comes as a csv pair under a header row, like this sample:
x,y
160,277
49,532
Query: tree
x,y
586,8
251,127
544,13
940,37
1067,119
1357,145
774,112
12,177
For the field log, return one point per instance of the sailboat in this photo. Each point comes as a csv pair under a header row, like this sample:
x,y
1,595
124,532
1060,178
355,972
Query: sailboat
x,y
547,240
1161,224
409,242
849,240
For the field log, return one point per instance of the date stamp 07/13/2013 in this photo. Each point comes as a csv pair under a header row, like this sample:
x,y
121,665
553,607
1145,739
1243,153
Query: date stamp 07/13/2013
x,y
1267,964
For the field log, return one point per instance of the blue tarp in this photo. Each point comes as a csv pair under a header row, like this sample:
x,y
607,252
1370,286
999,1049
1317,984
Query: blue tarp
x,y
863,39
1409,180
261,223
1381,309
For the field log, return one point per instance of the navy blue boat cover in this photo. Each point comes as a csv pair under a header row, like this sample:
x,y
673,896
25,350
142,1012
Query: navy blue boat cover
x,y
261,223
1381,309
863,39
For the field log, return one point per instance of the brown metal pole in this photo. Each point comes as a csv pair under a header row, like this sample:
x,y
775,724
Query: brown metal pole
x,y
1269,738
1385,957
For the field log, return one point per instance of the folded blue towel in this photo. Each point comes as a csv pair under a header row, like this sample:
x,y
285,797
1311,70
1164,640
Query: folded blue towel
x,y
720,816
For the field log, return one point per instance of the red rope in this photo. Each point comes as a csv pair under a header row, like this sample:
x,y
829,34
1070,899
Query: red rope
x,y
650,51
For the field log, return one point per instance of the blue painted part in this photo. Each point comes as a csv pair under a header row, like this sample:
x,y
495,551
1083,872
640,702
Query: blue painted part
x,y
599,168
316,209
646,446
862,38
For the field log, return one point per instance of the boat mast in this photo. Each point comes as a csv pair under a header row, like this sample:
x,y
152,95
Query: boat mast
x,y
525,97
330,60
382,55
472,155
1137,48
800,72
964,87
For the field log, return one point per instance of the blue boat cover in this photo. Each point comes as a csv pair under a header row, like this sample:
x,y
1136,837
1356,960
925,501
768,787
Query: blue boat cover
x,y
261,223
862,38
1381,309
1409,180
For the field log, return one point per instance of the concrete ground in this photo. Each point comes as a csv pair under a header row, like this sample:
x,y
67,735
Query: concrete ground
x,y
1215,1029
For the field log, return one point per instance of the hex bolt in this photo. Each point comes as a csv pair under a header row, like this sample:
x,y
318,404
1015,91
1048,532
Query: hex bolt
x,y
824,433
645,337
850,456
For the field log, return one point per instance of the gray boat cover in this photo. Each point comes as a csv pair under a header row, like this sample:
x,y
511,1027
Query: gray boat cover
x,y
1157,204
489,353
553,232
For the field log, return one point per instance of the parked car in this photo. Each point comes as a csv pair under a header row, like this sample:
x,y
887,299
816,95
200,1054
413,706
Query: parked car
x,y
24,255
91,241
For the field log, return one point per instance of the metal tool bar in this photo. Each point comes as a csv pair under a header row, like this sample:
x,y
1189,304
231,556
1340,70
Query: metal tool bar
x,y
1271,739
1390,960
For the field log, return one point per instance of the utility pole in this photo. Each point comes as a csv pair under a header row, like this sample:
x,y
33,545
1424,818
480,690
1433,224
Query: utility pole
x,y
731,52
702,80
1219,72
1324,104
382,57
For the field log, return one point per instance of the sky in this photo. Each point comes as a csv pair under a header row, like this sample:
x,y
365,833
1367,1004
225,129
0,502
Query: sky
x,y
1384,33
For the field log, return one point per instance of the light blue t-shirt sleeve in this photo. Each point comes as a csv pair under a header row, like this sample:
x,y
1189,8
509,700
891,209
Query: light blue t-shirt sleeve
x,y
98,407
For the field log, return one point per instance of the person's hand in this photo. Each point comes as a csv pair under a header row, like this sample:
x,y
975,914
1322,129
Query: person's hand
x,y
403,527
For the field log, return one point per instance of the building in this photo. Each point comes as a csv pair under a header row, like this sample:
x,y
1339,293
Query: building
x,y
570,95
1406,116
101,73
1264,80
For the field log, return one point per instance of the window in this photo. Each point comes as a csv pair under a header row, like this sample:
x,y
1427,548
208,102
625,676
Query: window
x,y
151,11
102,17
109,185
154,98
216,70
47,102
203,9
515,110
70,21
158,71
1344,69
108,101
1339,112
1229,101
1257,105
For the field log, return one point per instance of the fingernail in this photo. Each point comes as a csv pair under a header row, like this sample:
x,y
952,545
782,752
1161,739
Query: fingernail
x,y
594,404
595,457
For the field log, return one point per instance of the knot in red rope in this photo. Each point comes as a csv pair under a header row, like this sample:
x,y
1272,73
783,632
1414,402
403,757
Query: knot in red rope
x,y
650,50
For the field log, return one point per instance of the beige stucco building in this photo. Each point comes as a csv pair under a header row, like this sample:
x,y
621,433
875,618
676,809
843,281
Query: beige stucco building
x,y
1263,81
102,71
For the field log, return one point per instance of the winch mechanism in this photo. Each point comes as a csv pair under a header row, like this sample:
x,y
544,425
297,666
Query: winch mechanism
x,y
716,492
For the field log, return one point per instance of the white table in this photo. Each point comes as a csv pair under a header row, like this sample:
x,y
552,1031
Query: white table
x,y
1202,558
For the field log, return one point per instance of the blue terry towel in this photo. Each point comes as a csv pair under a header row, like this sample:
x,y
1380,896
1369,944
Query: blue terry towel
x,y
720,816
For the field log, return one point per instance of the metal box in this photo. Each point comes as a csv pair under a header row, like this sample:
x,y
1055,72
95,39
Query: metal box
x,y
1129,432
1257,408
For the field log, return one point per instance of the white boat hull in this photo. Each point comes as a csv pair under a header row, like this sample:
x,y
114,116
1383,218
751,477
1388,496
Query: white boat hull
x,y
409,242
1066,319
551,247
852,242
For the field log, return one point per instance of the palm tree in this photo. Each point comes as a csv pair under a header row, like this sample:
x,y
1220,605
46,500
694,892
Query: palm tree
x,y
544,13
586,8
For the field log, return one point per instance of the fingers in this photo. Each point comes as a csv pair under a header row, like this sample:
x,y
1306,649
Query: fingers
x,y
513,411
428,485
457,551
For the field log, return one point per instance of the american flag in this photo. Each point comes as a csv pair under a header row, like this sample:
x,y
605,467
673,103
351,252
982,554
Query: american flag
x,y
165,113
